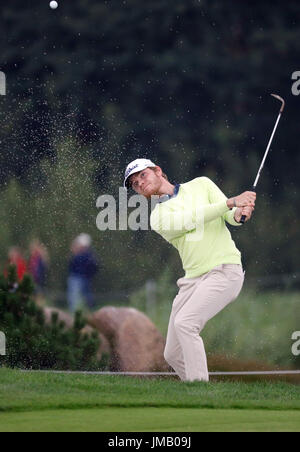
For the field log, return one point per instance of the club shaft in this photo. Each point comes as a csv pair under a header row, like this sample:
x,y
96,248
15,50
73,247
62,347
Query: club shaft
x,y
267,151
243,219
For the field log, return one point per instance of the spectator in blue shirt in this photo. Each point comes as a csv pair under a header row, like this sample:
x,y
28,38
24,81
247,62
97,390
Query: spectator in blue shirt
x,y
83,266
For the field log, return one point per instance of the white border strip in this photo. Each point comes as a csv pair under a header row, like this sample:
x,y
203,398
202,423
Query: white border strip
x,y
168,374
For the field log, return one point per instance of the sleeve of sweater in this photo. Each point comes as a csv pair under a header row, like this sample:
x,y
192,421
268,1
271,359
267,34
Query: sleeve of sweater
x,y
216,195
171,220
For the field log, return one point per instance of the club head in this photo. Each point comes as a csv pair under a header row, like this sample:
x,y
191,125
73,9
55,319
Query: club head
x,y
281,100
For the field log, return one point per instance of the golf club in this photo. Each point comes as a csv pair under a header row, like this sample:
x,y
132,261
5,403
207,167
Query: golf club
x,y
268,148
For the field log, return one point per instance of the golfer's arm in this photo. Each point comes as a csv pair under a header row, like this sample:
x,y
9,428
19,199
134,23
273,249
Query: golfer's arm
x,y
172,224
216,195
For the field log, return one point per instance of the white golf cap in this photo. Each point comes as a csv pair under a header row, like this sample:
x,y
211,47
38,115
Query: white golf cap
x,y
135,167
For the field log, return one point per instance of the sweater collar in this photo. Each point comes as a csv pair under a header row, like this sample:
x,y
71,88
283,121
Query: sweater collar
x,y
165,198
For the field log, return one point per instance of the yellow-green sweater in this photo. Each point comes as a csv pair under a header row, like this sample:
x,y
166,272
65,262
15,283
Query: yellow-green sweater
x,y
194,223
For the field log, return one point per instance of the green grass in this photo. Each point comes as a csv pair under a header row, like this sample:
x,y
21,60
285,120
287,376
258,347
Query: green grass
x,y
32,401
150,420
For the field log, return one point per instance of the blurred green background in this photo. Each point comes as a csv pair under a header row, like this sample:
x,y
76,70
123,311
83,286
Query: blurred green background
x,y
96,84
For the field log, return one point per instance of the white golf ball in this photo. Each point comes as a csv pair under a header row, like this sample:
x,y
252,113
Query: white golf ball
x,y
53,5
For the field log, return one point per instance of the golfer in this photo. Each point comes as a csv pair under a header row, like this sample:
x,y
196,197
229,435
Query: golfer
x,y
192,217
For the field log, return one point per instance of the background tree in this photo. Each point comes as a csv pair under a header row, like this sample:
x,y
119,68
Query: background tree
x,y
187,85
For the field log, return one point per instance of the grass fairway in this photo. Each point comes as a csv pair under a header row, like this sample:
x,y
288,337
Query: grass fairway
x,y
151,420
72,402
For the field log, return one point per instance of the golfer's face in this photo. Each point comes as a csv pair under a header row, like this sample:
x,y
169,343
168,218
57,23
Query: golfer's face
x,y
145,182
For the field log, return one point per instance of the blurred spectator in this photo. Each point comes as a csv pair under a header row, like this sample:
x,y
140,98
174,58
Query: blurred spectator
x,y
37,265
15,257
83,266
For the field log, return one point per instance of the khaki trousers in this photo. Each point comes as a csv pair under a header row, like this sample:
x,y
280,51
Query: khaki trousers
x,y
199,300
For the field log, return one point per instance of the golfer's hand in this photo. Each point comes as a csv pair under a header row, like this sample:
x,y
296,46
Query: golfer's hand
x,y
240,211
246,199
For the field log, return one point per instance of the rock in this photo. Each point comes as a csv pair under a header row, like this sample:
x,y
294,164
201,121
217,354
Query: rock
x,y
136,344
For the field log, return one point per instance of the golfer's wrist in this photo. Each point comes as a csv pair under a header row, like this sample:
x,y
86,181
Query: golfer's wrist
x,y
231,203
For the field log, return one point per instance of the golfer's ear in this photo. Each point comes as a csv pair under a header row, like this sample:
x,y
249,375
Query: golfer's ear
x,y
158,170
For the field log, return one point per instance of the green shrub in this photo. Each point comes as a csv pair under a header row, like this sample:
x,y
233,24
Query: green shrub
x,y
31,343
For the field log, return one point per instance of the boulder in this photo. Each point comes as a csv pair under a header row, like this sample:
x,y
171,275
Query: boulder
x,y
136,344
